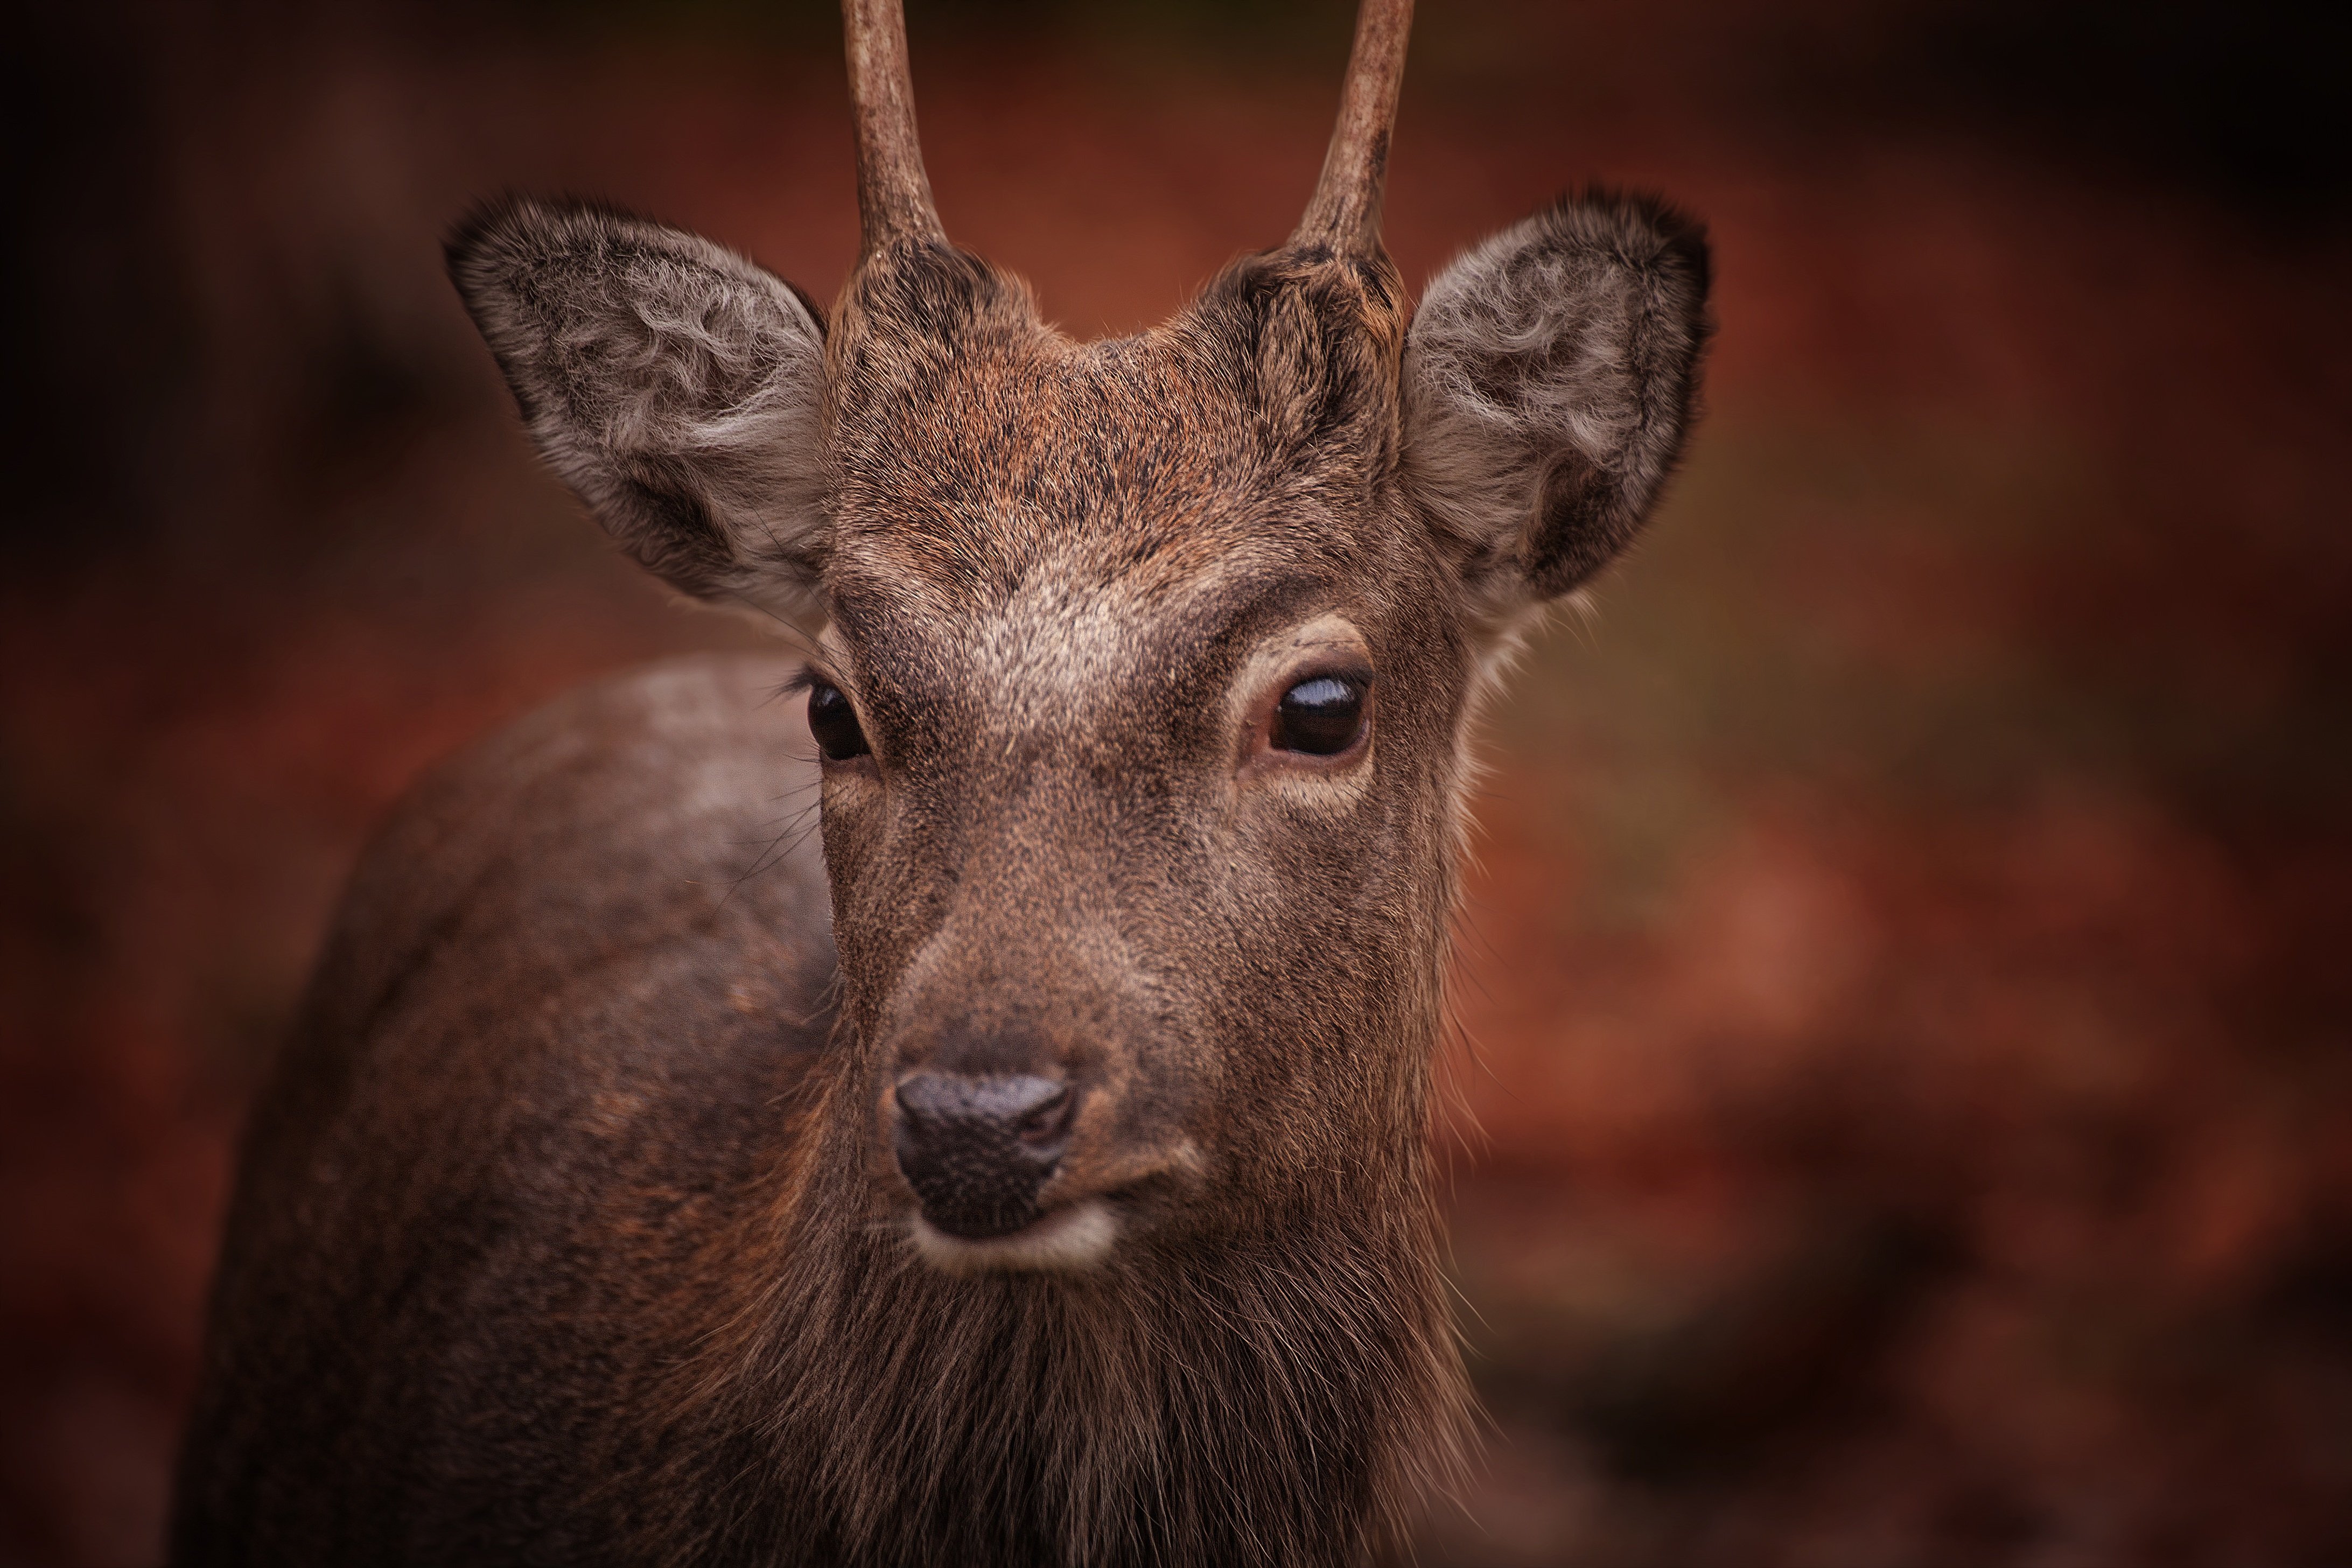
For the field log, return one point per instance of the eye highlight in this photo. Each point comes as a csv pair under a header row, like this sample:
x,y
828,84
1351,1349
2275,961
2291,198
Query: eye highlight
x,y
833,722
1321,716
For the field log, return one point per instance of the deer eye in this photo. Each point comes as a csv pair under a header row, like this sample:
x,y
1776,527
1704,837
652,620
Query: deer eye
x,y
834,723
1321,717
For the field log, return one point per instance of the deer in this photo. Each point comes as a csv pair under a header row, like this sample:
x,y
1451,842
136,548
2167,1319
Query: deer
x,y
1036,1162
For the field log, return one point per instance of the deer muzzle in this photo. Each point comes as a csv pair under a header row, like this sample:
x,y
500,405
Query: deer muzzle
x,y
977,1149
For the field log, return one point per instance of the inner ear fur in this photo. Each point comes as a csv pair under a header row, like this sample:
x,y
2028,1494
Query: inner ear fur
x,y
1549,377
675,387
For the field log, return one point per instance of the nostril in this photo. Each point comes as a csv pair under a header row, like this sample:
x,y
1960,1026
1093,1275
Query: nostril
x,y
1050,1122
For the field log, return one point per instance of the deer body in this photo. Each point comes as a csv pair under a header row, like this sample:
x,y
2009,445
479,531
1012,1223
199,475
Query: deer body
x,y
1065,1197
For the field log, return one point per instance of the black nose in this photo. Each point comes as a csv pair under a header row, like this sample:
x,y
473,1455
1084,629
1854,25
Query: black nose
x,y
976,1150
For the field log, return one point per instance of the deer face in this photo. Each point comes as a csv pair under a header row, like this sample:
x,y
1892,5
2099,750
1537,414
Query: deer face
x,y
1142,667
1136,806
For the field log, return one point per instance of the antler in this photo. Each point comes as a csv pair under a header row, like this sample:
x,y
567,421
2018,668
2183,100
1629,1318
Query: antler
x,y
894,197
1345,211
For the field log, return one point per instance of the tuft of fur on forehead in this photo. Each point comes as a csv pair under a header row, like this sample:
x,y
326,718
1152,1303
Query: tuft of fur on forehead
x,y
1311,343
973,443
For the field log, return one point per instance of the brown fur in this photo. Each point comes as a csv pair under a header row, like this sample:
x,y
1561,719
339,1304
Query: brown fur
x,y
571,1232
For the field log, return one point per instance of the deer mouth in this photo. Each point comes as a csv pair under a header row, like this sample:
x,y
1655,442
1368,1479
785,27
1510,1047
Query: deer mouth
x,y
1071,1232
1073,1239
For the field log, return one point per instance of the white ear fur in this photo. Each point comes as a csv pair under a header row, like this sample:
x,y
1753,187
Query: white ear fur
x,y
675,387
1549,377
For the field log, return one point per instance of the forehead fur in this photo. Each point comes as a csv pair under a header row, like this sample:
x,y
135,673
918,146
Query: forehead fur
x,y
973,445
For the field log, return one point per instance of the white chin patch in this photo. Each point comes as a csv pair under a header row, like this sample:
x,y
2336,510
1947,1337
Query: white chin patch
x,y
1067,1241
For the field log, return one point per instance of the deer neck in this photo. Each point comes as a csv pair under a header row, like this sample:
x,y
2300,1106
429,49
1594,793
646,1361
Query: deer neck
x,y
1266,1392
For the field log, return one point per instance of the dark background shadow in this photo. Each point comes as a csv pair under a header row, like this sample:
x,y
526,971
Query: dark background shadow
x,y
1906,1114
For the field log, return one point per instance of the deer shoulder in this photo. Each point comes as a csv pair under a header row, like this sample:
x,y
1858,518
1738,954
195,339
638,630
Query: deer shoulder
x,y
571,999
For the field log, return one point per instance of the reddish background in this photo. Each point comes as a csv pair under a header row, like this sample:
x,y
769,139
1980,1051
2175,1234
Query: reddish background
x,y
1903,1112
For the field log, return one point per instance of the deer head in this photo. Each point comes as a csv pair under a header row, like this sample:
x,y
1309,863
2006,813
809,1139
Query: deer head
x,y
1143,667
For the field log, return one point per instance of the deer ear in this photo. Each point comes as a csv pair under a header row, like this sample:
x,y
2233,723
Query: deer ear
x,y
675,387
1548,378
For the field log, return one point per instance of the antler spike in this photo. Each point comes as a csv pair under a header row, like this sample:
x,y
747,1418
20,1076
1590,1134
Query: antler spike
x,y
894,197
1345,211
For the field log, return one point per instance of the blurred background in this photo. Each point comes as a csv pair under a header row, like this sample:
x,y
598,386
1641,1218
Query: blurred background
x,y
1902,1112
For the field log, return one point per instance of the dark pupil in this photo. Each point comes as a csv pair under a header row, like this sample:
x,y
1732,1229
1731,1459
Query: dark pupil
x,y
834,723
1319,717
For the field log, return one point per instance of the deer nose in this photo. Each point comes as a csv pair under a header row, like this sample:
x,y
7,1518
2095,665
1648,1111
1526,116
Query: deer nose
x,y
976,1150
